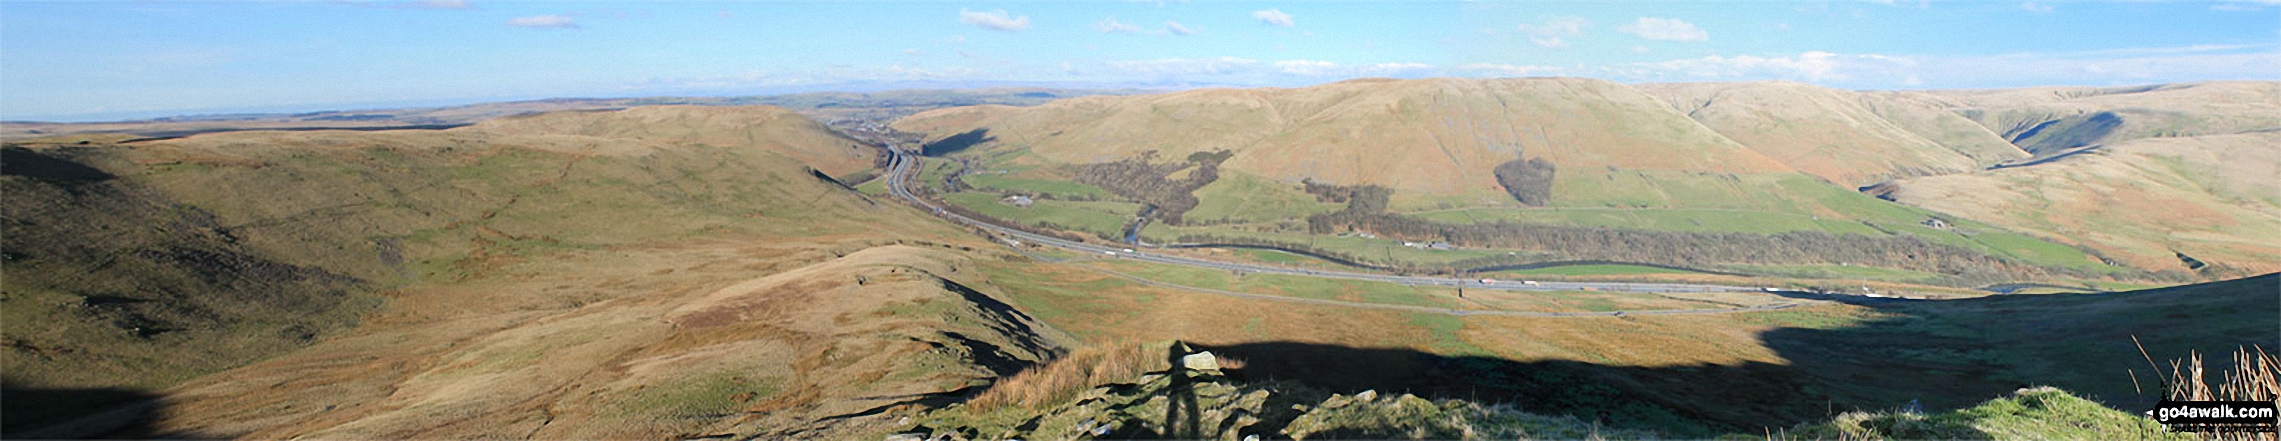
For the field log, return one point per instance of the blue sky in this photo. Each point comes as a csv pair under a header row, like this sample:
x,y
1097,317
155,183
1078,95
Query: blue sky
x,y
85,60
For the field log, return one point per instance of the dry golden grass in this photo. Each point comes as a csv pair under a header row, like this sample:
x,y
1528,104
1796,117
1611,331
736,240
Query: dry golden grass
x,y
1849,138
2255,376
1064,378
1433,136
2211,197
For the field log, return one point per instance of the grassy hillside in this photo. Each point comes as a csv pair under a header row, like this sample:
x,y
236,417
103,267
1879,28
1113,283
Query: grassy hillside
x,y
1843,137
1754,159
2143,201
1437,138
465,258
2044,119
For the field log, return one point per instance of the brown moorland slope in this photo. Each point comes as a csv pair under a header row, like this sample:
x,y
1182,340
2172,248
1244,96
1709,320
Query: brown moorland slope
x,y
482,268
2044,120
1438,137
2213,198
1729,157
1848,138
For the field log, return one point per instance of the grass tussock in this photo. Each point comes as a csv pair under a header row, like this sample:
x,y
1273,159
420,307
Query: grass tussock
x,y
1064,378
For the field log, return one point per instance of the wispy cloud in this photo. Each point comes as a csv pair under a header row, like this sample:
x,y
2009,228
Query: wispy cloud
x,y
2241,6
552,21
1397,69
2034,7
994,20
1812,66
1305,67
1880,71
1175,28
1665,29
1555,31
1318,68
1505,70
1274,17
1184,66
1112,26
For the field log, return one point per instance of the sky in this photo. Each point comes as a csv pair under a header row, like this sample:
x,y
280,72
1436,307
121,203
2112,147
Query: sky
x,y
83,60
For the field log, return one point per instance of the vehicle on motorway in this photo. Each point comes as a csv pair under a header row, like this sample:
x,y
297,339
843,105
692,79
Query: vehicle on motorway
x,y
1528,282
1488,281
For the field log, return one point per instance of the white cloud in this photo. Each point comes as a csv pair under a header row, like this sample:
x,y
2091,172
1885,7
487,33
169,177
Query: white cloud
x,y
1639,49
1274,17
1555,31
2034,7
1318,68
1112,26
2121,66
1812,66
2243,6
1306,67
443,4
543,22
994,20
1184,66
1665,29
1397,69
1175,28
1505,70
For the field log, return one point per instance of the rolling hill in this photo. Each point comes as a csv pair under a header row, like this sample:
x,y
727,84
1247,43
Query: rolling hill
x,y
696,272
1848,138
1459,157
409,278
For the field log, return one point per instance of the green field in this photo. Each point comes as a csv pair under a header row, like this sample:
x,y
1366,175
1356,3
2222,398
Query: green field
x,y
1695,220
1242,197
1097,217
1001,183
1249,206
875,187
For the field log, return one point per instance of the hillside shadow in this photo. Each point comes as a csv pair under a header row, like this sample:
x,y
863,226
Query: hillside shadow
x,y
956,143
44,413
1947,354
19,161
